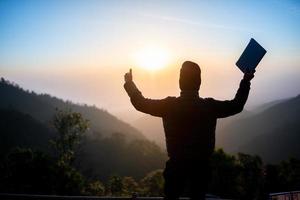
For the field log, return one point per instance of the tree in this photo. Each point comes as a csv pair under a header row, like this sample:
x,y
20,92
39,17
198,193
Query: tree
x,y
290,174
26,171
130,186
70,127
223,175
95,188
115,185
152,184
272,180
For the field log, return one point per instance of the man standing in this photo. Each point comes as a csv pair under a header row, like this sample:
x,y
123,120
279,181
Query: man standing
x,y
189,123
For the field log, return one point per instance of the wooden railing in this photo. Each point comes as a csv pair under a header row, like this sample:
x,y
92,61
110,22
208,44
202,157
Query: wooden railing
x,y
293,195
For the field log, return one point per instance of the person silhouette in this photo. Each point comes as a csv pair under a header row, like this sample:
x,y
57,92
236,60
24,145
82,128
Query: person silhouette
x,y
189,123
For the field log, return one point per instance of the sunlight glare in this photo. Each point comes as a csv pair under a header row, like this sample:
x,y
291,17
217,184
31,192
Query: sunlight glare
x,y
152,58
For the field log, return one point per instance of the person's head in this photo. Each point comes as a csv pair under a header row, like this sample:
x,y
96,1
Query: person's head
x,y
190,76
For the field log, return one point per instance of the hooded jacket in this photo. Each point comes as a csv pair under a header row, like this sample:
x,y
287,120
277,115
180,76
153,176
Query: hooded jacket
x,y
189,121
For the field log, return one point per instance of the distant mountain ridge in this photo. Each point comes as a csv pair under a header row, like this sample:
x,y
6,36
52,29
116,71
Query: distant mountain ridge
x,y
43,106
273,133
111,146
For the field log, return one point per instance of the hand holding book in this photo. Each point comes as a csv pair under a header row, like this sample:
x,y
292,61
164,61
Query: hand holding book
x,y
251,57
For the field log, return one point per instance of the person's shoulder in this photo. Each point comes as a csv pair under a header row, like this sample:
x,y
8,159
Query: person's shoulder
x,y
208,100
170,99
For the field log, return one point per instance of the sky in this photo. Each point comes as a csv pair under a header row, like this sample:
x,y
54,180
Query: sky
x,y
80,50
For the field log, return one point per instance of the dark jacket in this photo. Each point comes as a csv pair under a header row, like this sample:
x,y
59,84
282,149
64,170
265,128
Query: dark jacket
x,y
189,120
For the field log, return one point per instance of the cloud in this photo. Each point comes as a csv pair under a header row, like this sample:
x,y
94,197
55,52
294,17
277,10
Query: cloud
x,y
196,23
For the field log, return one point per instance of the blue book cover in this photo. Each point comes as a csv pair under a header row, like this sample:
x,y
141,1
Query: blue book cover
x,y
251,56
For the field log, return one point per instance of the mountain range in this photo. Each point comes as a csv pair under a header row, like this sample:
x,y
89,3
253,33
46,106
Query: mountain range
x,y
43,106
111,146
271,131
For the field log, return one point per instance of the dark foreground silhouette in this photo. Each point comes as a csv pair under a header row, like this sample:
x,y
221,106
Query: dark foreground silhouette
x,y
189,123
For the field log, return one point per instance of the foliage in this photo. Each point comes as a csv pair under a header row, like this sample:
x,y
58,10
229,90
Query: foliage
x,y
250,176
95,187
26,171
152,184
115,185
223,175
243,177
70,127
69,181
290,174
129,186
284,176
103,156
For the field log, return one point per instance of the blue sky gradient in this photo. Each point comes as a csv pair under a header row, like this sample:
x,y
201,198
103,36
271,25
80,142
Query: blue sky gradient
x,y
41,39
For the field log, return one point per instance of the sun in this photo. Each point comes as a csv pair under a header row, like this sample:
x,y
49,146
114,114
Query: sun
x,y
152,58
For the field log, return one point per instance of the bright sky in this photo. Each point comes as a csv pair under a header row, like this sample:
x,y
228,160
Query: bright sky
x,y
80,50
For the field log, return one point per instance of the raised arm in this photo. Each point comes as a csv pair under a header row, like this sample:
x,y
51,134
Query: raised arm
x,y
230,107
153,107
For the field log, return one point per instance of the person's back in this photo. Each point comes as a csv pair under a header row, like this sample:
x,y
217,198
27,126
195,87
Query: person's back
x,y
189,123
189,127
